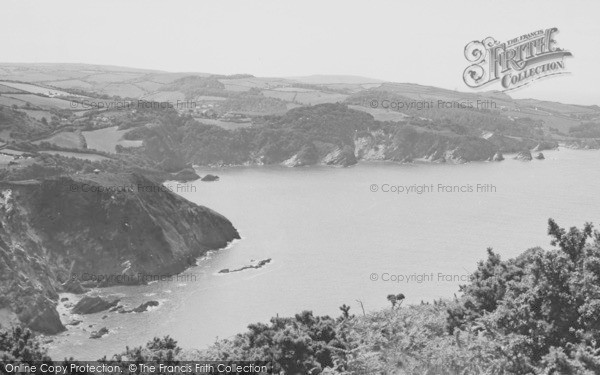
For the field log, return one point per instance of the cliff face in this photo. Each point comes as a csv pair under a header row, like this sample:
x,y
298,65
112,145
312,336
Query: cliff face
x,y
338,135
407,145
96,229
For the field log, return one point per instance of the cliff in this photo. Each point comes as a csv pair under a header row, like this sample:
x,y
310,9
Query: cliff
x,y
96,229
337,135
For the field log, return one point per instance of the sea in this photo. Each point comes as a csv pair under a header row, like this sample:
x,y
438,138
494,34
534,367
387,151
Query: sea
x,y
339,236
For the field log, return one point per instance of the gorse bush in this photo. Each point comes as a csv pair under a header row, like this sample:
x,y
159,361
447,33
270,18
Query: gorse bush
x,y
536,314
304,344
548,302
20,344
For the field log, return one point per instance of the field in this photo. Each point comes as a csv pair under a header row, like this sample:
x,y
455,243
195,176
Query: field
x,y
304,96
63,139
149,86
9,102
11,152
41,101
38,115
165,96
34,89
288,96
317,97
5,159
7,89
72,84
107,139
126,90
113,77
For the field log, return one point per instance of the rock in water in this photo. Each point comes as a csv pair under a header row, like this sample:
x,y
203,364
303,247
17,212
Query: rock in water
x,y
144,306
498,157
99,333
540,156
260,264
524,155
141,308
91,305
187,174
210,178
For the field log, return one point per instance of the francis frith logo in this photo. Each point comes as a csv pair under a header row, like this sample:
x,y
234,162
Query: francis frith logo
x,y
516,62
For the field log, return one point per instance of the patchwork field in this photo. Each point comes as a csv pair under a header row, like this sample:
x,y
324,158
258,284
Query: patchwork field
x,y
38,115
125,90
107,139
113,77
72,84
7,89
34,89
148,86
165,96
43,102
9,102
288,96
63,139
317,97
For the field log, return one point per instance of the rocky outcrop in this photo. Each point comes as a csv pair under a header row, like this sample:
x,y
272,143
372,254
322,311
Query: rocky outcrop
x,y
524,156
210,178
41,316
141,308
258,265
72,285
308,155
99,333
409,144
322,153
343,157
186,174
92,305
100,229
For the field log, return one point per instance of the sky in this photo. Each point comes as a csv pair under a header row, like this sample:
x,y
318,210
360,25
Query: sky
x,y
418,41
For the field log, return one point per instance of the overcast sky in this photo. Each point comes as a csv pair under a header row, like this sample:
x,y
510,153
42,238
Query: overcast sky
x,y
418,41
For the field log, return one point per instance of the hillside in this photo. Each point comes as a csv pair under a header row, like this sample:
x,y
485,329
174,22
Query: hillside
x,y
163,122
54,229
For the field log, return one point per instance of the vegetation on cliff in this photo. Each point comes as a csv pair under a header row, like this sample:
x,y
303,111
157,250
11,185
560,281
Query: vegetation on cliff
x,y
534,314
54,230
331,134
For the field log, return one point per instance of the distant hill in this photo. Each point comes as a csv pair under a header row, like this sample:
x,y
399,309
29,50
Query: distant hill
x,y
322,79
318,119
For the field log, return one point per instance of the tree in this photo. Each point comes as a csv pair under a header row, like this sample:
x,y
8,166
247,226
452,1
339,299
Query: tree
x,y
345,311
395,298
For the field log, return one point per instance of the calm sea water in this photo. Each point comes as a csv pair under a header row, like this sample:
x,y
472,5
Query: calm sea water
x,y
333,241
